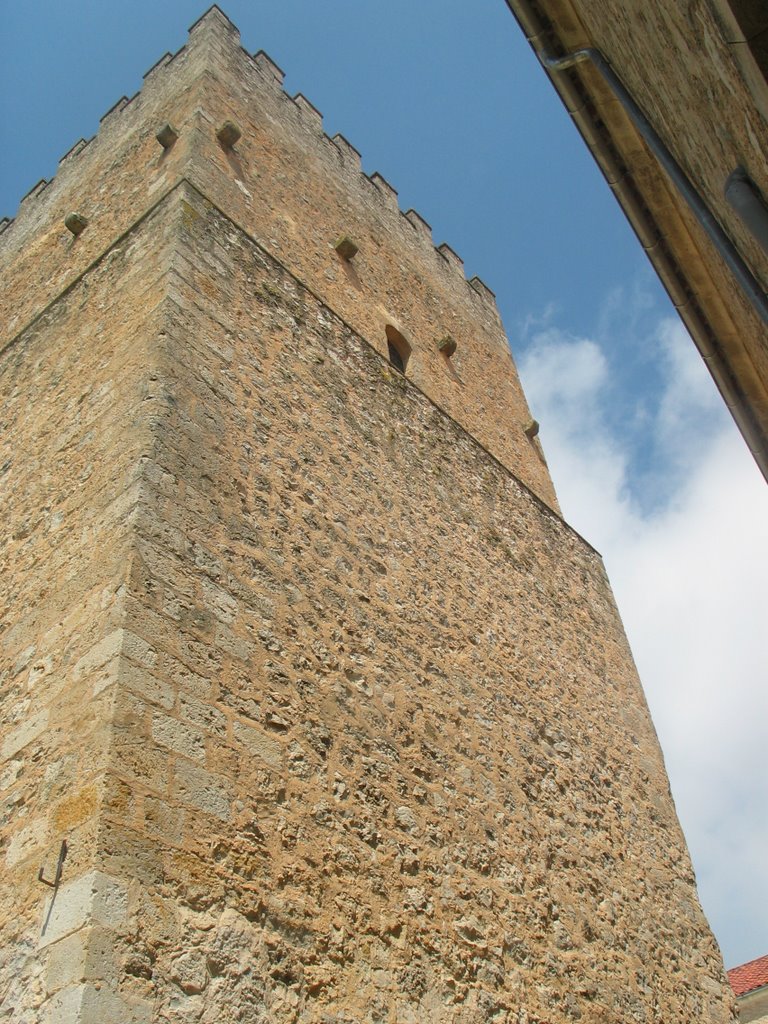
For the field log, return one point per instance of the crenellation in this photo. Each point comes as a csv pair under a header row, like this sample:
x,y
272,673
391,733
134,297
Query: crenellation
x,y
482,289
5,222
311,113
389,192
220,28
420,224
265,63
158,66
74,150
350,155
114,109
35,191
451,256
214,20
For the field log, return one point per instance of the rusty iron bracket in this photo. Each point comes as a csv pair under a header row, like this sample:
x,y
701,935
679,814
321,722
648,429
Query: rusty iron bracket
x,y
59,868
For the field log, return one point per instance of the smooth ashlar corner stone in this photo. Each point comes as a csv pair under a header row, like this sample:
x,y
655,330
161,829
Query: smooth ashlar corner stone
x,y
84,955
144,684
138,649
92,899
106,676
119,641
26,840
256,742
99,654
178,736
200,789
65,1007
26,733
89,1004
66,961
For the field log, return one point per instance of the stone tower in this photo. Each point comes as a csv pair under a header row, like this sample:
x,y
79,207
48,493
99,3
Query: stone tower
x,y
333,712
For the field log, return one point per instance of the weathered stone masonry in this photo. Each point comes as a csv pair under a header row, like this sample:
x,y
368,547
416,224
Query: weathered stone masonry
x,y
334,711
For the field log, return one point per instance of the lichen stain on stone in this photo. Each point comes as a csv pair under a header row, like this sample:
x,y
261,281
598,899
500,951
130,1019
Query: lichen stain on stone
x,y
189,215
76,809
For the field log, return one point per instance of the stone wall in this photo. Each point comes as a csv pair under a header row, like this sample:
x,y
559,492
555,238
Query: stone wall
x,y
753,1007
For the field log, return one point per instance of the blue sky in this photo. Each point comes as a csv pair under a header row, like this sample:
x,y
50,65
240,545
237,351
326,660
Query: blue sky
x,y
444,98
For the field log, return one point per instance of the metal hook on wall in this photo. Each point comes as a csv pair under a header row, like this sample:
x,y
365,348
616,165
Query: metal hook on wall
x,y
59,868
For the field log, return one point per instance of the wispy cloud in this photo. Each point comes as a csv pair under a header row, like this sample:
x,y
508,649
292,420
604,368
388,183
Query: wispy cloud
x,y
685,542
537,321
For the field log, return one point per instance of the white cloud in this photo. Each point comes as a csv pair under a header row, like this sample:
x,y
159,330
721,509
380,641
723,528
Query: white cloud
x,y
688,571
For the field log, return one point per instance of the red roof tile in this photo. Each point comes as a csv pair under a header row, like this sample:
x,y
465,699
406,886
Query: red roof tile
x,y
749,976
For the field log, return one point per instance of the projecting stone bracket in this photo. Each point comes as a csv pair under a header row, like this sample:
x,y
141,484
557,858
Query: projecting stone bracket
x,y
447,346
76,223
345,247
167,136
228,134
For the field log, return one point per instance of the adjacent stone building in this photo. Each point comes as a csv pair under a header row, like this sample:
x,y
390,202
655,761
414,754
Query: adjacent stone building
x,y
313,707
749,982
672,99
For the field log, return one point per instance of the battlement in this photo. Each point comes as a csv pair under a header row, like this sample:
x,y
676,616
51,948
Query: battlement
x,y
214,27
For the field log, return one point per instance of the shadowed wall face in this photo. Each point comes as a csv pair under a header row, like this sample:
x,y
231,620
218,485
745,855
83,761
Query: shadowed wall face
x,y
362,731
